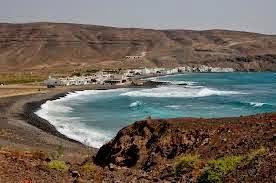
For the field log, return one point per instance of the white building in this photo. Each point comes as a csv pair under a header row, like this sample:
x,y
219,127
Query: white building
x,y
136,57
219,69
172,71
146,71
52,82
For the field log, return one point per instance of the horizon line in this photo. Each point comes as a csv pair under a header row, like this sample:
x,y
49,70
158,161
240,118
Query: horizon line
x,y
126,27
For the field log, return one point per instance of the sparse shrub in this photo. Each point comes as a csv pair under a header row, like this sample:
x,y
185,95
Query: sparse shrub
x,y
58,165
89,168
60,150
57,154
215,170
186,162
39,155
54,155
256,153
20,78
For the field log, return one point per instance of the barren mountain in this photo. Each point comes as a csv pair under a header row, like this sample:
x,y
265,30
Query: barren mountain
x,y
48,47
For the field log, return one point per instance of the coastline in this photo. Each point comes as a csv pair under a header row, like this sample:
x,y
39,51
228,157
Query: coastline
x,y
21,127
30,103
197,133
30,107
29,114
17,116
205,136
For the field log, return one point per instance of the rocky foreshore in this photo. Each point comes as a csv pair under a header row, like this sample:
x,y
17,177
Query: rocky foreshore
x,y
155,147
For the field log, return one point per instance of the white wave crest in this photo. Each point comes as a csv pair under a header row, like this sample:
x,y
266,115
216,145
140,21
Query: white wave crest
x,y
174,106
57,112
135,104
54,106
178,92
83,94
73,128
189,83
154,78
257,104
161,79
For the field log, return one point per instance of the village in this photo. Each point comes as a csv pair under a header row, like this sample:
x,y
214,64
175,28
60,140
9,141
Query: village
x,y
124,77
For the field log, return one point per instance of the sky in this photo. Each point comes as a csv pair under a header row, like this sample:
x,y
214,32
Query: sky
x,y
245,15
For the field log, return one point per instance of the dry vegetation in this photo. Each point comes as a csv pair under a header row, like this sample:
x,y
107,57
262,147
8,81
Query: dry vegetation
x,y
20,78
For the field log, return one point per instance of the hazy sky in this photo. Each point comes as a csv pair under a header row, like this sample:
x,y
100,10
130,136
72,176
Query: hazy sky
x,y
247,15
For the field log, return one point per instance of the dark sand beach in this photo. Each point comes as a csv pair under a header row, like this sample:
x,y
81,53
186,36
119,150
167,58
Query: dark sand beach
x,y
20,126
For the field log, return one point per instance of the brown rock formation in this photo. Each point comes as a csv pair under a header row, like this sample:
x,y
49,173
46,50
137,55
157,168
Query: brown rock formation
x,y
154,145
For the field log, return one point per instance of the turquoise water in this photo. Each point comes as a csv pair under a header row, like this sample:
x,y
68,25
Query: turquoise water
x,y
94,117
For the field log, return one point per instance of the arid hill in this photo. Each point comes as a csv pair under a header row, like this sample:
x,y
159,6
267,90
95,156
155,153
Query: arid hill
x,y
48,47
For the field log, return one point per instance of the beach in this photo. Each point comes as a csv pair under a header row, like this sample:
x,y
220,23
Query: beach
x,y
21,127
19,103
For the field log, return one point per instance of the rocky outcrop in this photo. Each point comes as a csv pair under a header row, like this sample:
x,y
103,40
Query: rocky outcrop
x,y
154,145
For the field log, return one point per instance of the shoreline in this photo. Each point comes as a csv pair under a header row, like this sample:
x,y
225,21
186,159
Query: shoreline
x,y
29,114
33,119
32,103
21,127
29,108
33,106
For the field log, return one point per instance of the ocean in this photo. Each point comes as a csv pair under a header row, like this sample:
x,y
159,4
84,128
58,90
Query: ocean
x,y
94,117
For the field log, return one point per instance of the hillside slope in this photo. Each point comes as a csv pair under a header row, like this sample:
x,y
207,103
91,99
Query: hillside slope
x,y
47,47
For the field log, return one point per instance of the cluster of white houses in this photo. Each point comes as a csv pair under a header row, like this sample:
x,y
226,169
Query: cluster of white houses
x,y
126,76
168,71
102,77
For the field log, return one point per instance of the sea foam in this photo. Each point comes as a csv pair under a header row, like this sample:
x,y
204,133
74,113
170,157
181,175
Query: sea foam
x,y
257,104
189,83
173,106
57,112
135,104
178,92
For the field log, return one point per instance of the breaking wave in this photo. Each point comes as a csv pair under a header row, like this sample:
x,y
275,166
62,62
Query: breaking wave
x,y
173,106
94,116
135,104
178,92
161,79
189,83
260,104
252,104
257,104
157,78
58,113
